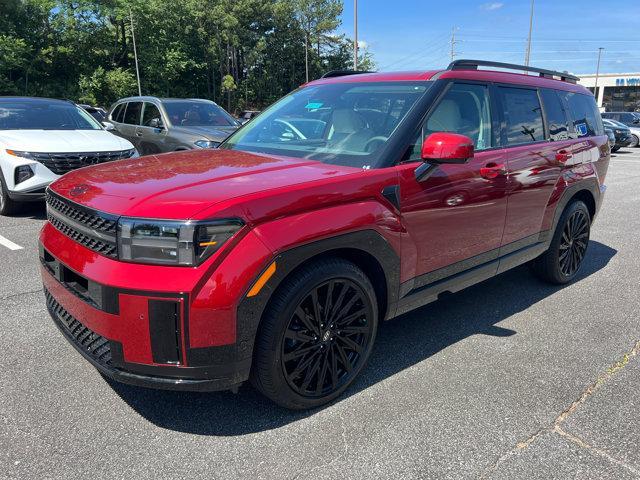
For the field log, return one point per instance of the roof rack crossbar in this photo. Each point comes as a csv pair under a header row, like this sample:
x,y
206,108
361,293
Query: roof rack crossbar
x,y
342,73
474,64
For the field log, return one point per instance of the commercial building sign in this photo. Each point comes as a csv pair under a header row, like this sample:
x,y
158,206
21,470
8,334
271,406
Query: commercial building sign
x,y
627,82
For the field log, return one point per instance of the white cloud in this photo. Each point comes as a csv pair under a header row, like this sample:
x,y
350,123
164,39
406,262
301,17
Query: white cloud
x,y
492,6
362,44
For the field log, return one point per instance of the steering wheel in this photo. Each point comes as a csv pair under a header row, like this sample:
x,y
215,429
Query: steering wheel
x,y
372,141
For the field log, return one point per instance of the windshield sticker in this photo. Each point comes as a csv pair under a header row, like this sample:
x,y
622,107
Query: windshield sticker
x,y
314,105
581,129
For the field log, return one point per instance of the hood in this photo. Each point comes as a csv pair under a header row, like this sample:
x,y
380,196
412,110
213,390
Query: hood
x,y
179,185
216,133
62,141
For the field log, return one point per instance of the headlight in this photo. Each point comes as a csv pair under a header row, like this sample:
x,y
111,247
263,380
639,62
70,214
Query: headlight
x,y
172,243
133,153
206,144
16,153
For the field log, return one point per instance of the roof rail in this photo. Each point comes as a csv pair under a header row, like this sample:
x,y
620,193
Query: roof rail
x,y
474,64
342,73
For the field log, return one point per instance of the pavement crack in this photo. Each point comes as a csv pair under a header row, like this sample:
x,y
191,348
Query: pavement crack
x,y
554,427
21,293
595,450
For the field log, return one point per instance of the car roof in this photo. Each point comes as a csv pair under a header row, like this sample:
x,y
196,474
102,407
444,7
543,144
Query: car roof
x,y
479,75
36,100
163,99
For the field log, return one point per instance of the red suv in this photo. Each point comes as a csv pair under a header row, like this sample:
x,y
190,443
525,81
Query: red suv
x,y
354,199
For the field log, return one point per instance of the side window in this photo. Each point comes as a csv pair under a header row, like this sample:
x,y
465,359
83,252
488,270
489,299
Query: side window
x,y
555,115
584,113
132,114
151,112
464,109
116,112
523,115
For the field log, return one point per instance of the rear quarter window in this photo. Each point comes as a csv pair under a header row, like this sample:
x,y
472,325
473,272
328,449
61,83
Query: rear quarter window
x,y
584,114
557,120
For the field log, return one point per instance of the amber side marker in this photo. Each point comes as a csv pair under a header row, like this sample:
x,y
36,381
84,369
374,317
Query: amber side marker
x,y
264,278
207,244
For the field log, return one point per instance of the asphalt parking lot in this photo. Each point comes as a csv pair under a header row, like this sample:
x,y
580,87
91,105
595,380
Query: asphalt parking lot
x,y
509,379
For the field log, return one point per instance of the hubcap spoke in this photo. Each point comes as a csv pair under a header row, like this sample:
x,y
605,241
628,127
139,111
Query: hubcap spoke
x,y
573,244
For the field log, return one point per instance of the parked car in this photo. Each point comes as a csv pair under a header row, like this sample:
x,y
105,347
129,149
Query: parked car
x,y
631,120
275,257
41,139
157,125
621,132
247,115
99,113
612,139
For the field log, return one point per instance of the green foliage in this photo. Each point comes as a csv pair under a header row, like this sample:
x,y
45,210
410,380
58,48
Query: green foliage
x,y
247,52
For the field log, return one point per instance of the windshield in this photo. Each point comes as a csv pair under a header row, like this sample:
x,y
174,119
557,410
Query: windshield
x,y
29,115
197,114
343,124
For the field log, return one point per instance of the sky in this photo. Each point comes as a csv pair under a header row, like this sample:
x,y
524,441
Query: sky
x,y
416,34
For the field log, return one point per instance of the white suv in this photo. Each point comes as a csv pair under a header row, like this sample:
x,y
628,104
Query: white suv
x,y
42,139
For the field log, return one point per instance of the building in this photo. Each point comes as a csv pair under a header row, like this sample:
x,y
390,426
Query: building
x,y
617,92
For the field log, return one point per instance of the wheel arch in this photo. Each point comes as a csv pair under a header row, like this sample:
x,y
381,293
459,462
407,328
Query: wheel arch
x,y
366,248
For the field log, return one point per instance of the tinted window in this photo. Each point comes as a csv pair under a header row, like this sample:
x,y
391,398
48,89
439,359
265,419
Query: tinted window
x,y
523,115
132,114
584,114
151,112
39,115
116,115
555,115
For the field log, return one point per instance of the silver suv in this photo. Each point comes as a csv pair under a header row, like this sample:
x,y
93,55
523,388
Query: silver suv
x,y
157,125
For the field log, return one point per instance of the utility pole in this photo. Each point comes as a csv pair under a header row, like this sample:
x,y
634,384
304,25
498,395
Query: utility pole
x,y
527,55
595,89
453,42
306,57
135,52
355,34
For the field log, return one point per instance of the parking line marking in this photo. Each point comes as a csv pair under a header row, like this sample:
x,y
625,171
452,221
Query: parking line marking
x,y
9,244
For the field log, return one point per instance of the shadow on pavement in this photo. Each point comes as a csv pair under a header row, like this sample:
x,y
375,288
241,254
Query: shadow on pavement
x,y
401,343
34,210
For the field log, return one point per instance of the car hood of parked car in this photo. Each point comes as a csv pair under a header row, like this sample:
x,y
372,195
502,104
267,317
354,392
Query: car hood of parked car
x,y
182,184
62,141
216,133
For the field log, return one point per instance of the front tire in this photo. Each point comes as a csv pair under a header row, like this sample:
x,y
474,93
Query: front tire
x,y
614,149
7,206
316,335
635,141
562,261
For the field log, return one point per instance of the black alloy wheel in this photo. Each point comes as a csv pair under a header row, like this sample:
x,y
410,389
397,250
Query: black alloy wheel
x,y
573,243
326,338
562,261
316,334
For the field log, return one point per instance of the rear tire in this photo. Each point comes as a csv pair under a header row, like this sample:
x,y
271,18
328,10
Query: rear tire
x,y
562,261
7,206
614,149
316,335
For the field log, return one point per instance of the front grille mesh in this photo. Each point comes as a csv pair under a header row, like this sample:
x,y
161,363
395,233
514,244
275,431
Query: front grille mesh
x,y
91,220
61,163
90,342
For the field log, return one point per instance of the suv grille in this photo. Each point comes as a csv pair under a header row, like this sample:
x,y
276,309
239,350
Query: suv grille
x,y
94,230
61,163
90,342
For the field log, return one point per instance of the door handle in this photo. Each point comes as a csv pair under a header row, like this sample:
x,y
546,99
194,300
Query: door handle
x,y
563,156
492,170
138,134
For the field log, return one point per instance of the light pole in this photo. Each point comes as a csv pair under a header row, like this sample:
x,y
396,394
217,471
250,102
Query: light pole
x,y
355,34
135,52
527,55
595,88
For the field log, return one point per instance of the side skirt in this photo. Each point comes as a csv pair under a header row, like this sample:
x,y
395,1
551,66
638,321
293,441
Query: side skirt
x,y
429,287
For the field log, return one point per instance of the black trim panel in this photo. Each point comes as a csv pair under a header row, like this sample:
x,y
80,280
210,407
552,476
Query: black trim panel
x,y
164,331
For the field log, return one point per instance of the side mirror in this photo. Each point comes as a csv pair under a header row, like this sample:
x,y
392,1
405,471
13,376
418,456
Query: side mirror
x,y
156,123
443,147
108,126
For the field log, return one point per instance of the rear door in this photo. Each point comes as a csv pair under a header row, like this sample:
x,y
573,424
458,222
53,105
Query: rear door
x,y
534,153
130,123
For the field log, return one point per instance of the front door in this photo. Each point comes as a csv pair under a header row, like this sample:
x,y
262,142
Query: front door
x,y
455,218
